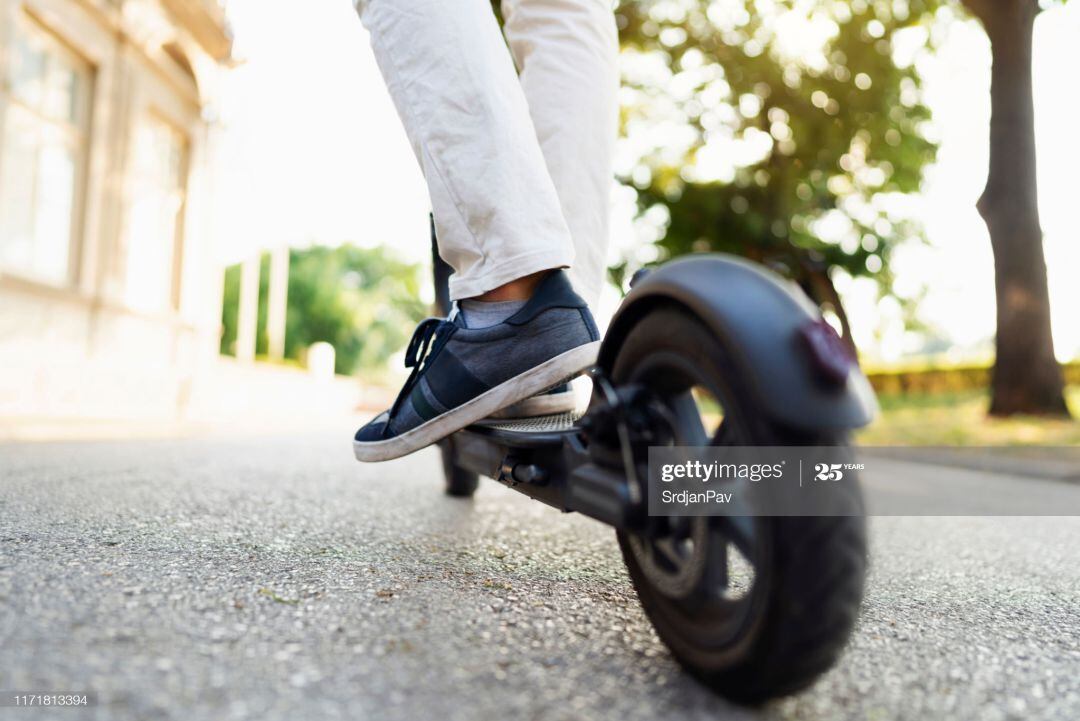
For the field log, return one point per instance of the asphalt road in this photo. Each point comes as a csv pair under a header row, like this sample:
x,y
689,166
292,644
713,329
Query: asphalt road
x,y
278,579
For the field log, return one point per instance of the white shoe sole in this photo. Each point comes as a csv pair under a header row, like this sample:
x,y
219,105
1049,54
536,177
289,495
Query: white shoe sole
x,y
544,404
536,380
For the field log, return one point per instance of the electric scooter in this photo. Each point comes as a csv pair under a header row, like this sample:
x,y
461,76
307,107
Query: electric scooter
x,y
704,350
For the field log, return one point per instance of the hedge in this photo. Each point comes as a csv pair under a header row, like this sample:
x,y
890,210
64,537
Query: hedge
x,y
946,380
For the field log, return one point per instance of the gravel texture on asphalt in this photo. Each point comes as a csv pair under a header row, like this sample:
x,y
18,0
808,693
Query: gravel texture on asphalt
x,y
276,578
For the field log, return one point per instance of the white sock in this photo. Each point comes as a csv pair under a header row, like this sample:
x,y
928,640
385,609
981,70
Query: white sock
x,y
486,313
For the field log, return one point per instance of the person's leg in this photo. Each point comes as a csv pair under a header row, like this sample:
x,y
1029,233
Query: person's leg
x,y
497,214
499,224
567,52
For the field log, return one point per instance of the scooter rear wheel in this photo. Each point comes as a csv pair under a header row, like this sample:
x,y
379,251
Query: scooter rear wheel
x,y
754,607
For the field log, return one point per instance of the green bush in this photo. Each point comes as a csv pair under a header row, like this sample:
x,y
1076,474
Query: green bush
x,y
941,381
363,301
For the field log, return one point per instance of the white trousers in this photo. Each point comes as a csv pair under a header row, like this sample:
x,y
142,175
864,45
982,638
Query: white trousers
x,y
519,168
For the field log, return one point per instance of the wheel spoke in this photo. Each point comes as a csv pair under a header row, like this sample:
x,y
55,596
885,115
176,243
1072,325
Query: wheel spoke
x,y
666,546
716,572
724,435
691,428
680,526
740,531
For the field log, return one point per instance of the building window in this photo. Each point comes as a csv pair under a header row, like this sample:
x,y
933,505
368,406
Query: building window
x,y
45,101
155,221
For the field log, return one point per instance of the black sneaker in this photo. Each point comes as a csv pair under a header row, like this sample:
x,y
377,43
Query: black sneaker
x,y
462,375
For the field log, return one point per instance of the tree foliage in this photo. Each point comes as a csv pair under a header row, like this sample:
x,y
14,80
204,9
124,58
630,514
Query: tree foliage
x,y
778,130
362,301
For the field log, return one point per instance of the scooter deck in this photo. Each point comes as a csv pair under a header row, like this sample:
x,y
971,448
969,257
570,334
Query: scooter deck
x,y
536,424
527,432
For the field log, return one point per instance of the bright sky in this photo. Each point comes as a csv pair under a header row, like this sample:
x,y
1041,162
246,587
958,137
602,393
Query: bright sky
x,y
314,152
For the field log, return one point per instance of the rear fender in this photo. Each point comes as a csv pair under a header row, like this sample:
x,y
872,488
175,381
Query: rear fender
x,y
774,333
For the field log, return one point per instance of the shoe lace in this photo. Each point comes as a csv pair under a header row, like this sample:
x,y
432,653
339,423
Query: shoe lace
x,y
421,342
424,343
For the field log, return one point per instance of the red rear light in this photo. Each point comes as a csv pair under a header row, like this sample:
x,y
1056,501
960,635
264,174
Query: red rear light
x,y
831,357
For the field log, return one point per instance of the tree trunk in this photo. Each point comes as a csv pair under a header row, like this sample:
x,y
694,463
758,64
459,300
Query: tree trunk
x,y
1026,376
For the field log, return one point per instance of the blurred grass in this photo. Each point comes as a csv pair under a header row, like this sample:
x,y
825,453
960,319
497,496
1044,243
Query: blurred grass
x,y
959,419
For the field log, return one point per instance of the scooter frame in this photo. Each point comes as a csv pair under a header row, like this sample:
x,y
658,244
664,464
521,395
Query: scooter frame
x,y
801,374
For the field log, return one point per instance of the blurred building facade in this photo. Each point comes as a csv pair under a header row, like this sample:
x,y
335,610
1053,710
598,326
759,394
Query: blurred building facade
x,y
109,294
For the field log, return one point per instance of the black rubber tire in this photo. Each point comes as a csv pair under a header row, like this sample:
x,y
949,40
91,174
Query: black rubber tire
x,y
459,482
811,571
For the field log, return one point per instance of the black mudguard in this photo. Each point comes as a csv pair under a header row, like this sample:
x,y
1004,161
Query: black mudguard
x,y
763,319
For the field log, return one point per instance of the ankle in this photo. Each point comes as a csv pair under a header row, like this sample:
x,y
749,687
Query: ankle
x,y
518,289
486,313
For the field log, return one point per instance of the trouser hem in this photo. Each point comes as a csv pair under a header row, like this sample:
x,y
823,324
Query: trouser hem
x,y
468,285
